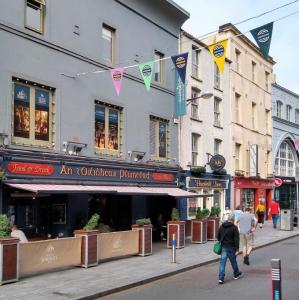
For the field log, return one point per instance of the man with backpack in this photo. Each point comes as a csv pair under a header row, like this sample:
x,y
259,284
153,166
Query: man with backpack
x,y
228,236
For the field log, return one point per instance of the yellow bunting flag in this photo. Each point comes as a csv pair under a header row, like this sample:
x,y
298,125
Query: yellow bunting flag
x,y
218,52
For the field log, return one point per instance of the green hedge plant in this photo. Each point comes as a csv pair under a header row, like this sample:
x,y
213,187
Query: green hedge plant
x,y
202,213
92,223
175,215
4,226
144,221
215,211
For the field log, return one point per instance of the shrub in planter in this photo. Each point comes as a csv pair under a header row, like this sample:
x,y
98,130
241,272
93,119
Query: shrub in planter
x,y
4,226
176,227
175,215
144,221
213,222
145,229
92,223
198,170
202,213
199,226
215,211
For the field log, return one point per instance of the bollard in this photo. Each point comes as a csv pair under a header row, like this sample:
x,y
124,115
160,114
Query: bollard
x,y
276,279
173,249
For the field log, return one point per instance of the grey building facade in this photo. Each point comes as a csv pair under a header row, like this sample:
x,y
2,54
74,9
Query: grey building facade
x,y
59,106
285,106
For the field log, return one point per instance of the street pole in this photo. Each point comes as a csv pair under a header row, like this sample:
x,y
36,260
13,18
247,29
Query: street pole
x,y
173,249
276,279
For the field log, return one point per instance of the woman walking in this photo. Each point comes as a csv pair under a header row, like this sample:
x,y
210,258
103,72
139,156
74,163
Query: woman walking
x,y
260,212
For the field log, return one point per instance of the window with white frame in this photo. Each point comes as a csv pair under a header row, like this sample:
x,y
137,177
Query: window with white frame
x,y
288,112
238,57
278,108
297,116
195,148
108,43
217,146
195,61
237,108
35,15
284,161
159,138
217,83
254,115
237,156
107,128
195,103
158,67
217,110
33,114
253,71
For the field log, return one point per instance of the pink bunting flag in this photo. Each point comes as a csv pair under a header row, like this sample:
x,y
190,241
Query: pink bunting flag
x,y
117,77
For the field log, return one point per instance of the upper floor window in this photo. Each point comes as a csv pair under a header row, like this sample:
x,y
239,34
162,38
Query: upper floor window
x,y
159,63
217,83
159,138
253,71
217,146
284,160
35,14
254,115
278,108
237,108
107,128
33,115
195,148
194,103
267,76
108,40
195,61
297,116
217,115
288,112
238,57
268,121
237,156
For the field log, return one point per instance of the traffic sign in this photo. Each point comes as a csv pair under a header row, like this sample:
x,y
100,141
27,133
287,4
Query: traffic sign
x,y
277,182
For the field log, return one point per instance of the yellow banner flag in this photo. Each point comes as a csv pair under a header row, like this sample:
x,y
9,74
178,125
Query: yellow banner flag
x,y
218,52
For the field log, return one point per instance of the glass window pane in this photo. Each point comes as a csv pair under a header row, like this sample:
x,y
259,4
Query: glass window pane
x,y
113,130
107,35
162,139
33,16
100,127
153,137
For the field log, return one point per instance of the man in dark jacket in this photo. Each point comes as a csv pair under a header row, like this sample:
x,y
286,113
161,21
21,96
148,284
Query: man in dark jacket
x,y
228,236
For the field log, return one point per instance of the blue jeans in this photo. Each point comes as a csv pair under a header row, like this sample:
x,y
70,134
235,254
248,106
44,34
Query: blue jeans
x,y
275,220
231,254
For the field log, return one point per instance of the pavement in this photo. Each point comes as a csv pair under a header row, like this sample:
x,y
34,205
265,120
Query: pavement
x,y
113,276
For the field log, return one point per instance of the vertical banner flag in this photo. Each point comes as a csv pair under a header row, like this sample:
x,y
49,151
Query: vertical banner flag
x,y
262,36
146,70
117,77
180,62
180,95
218,52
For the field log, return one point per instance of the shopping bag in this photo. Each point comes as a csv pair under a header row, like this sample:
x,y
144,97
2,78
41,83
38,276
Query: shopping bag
x,y
217,248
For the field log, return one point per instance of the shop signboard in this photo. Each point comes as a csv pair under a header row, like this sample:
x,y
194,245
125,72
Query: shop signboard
x,y
207,183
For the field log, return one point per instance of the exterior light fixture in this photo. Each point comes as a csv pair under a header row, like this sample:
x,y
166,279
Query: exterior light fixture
x,y
206,95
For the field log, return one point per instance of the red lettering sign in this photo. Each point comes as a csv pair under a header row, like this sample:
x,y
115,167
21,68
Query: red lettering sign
x,y
163,177
30,169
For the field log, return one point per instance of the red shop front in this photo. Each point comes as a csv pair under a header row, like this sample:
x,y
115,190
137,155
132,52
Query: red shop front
x,y
248,192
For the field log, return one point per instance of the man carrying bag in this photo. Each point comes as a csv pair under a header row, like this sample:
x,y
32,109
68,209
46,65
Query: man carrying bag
x,y
228,236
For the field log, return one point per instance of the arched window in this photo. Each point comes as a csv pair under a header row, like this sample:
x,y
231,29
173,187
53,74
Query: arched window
x,y
284,161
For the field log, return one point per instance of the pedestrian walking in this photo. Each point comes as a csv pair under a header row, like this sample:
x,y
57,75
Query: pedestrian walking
x,y
260,212
274,212
237,213
228,236
226,213
247,224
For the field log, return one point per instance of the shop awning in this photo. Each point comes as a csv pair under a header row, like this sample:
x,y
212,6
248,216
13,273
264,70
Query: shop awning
x,y
62,188
79,188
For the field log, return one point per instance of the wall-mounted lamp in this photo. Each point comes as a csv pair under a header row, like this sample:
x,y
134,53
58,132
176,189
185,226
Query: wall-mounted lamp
x,y
3,140
73,148
136,155
206,95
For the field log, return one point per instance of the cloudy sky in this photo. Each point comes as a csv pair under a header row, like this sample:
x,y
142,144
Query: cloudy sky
x,y
206,16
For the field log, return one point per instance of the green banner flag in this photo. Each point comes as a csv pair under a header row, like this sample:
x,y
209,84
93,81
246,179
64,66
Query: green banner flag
x,y
146,70
263,35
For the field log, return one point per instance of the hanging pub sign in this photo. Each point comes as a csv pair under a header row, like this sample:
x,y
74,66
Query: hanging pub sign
x,y
217,162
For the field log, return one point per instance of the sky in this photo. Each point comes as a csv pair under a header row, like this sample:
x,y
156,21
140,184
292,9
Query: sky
x,y
207,16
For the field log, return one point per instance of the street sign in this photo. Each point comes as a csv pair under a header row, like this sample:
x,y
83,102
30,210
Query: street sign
x,y
277,182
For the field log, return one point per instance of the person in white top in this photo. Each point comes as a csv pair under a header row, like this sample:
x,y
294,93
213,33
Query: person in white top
x,y
226,213
17,233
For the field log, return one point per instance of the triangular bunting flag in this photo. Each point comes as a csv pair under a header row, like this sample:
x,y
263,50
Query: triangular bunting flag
x,y
262,36
117,76
180,62
180,96
218,51
146,70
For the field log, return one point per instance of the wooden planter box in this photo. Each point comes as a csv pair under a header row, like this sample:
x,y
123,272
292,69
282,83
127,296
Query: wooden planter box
x,y
213,226
199,231
145,239
9,260
177,228
89,247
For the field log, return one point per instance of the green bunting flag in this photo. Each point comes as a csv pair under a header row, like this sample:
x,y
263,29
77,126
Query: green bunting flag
x,y
262,36
146,70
